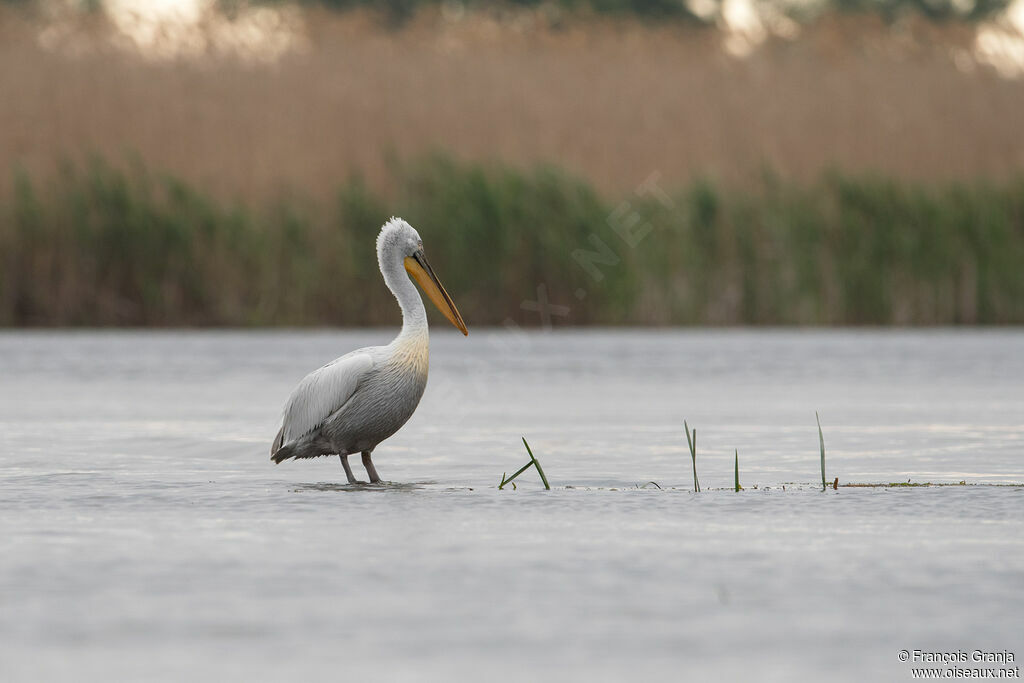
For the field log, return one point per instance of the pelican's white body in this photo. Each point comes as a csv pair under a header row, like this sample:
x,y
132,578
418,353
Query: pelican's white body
x,y
356,401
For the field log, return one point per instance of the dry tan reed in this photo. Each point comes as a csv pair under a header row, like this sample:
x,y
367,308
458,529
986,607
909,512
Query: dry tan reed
x,y
609,100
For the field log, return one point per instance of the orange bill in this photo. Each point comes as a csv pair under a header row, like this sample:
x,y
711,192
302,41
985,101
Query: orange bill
x,y
421,271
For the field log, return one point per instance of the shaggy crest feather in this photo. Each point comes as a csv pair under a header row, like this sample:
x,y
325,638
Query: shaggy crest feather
x,y
391,235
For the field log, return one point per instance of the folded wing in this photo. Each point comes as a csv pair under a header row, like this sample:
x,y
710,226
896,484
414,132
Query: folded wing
x,y
320,394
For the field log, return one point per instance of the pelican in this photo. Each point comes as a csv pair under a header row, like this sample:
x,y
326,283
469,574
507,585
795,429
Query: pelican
x,y
354,402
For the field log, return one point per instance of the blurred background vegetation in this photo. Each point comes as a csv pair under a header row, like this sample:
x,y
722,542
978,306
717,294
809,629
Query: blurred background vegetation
x,y
102,246
703,13
229,163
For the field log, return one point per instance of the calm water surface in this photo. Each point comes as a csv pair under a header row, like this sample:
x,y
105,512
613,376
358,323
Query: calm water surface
x,y
145,534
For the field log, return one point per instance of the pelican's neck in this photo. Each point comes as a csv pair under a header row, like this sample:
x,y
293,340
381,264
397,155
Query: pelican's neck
x,y
414,315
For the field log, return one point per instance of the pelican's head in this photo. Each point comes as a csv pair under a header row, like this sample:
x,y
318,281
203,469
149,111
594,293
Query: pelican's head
x,y
399,240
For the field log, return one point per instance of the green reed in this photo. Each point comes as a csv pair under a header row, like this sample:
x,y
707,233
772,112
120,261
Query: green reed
x,y
691,441
736,473
533,463
821,440
105,245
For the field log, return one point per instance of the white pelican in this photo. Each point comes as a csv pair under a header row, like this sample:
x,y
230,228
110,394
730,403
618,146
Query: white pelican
x,y
354,402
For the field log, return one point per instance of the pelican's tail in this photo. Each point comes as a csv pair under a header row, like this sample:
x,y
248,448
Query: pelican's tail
x,y
308,447
280,452
283,453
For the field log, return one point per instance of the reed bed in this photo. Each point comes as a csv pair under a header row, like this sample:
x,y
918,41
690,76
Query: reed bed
x,y
612,99
100,245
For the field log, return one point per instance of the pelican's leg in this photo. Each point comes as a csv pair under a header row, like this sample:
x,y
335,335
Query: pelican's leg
x,y
370,469
348,470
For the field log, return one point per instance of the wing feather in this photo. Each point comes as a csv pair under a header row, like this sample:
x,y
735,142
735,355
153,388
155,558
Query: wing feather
x,y
320,394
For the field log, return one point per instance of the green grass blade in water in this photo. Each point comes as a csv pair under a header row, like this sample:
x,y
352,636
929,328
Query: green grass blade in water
x,y
536,463
821,439
692,443
522,469
737,471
